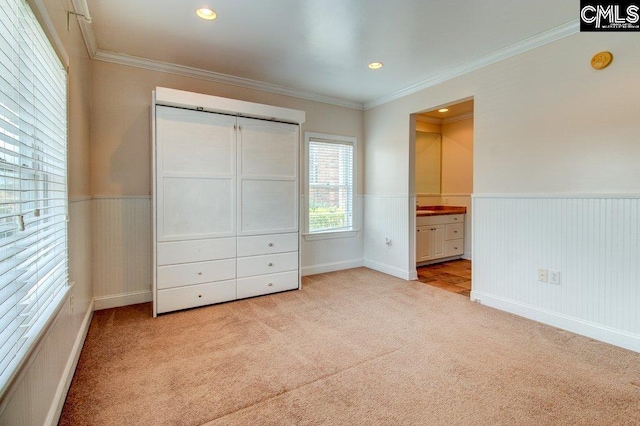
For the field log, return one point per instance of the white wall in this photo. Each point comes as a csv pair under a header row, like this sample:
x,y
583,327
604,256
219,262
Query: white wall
x,y
545,122
38,395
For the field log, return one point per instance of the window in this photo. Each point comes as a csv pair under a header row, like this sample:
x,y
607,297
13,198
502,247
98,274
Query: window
x,y
33,185
330,182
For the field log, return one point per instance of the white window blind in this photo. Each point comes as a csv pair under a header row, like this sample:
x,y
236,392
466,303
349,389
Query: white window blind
x,y
331,184
33,183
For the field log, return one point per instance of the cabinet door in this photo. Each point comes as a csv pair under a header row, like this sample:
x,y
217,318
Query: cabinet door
x,y
438,241
267,177
195,174
422,241
429,242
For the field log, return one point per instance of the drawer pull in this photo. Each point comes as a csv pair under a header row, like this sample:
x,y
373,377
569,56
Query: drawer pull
x,y
199,273
455,248
455,232
270,264
199,295
270,284
270,244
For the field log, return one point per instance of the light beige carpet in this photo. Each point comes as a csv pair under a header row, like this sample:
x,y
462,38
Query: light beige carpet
x,y
353,347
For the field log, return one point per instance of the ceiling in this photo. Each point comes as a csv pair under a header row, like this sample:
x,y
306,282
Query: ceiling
x,y
454,110
322,47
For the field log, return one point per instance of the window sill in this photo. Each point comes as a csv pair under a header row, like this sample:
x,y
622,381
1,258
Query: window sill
x,y
330,235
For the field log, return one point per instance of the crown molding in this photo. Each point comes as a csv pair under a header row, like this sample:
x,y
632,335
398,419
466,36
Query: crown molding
x,y
457,118
135,61
427,119
522,46
525,45
80,7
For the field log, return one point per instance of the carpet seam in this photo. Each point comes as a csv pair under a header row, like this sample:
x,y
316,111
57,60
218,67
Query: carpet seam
x,y
366,361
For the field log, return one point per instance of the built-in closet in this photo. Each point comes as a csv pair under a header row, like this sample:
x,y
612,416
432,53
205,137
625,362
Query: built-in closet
x,y
225,199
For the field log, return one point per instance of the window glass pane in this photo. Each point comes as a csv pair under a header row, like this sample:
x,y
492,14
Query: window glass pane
x,y
330,186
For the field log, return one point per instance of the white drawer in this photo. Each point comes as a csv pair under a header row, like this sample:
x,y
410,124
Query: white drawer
x,y
453,231
265,284
265,244
269,264
439,219
195,295
454,247
195,273
196,250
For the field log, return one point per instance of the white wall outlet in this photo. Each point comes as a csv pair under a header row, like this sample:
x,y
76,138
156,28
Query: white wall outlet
x,y
388,242
543,275
71,302
446,201
554,277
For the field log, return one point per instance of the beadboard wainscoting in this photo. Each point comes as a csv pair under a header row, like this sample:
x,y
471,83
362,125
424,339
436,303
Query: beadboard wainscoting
x,y
121,251
387,221
335,251
38,394
592,240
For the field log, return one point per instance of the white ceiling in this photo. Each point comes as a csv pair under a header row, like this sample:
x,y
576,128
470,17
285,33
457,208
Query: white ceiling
x,y
322,47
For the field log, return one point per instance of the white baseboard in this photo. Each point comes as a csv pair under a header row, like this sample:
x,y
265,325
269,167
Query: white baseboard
x,y
65,381
331,267
118,300
390,270
575,325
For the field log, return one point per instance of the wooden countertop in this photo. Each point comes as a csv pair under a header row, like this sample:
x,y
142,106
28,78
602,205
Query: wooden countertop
x,y
439,210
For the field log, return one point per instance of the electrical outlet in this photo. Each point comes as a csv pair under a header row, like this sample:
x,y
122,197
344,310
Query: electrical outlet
x,y
554,277
446,201
71,300
543,275
388,242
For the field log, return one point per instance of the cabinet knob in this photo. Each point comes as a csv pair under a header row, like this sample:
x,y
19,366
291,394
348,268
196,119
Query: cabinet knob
x,y
270,244
199,295
455,248
199,273
270,284
418,230
270,264
455,232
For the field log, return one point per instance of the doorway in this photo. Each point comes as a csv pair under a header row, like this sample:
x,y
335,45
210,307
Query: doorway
x,y
443,183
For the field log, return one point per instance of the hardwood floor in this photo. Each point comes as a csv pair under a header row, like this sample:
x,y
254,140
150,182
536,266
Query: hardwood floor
x,y
453,276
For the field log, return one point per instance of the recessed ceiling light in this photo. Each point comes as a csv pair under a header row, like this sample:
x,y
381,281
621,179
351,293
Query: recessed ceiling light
x,y
375,65
206,13
443,110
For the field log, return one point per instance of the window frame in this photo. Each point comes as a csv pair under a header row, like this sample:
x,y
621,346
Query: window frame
x,y
330,233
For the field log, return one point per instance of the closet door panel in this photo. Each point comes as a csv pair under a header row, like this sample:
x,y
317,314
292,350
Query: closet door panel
x,y
196,142
268,206
196,208
268,149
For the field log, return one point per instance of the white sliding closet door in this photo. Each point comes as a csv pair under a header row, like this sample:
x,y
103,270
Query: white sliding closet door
x,y
268,177
196,174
